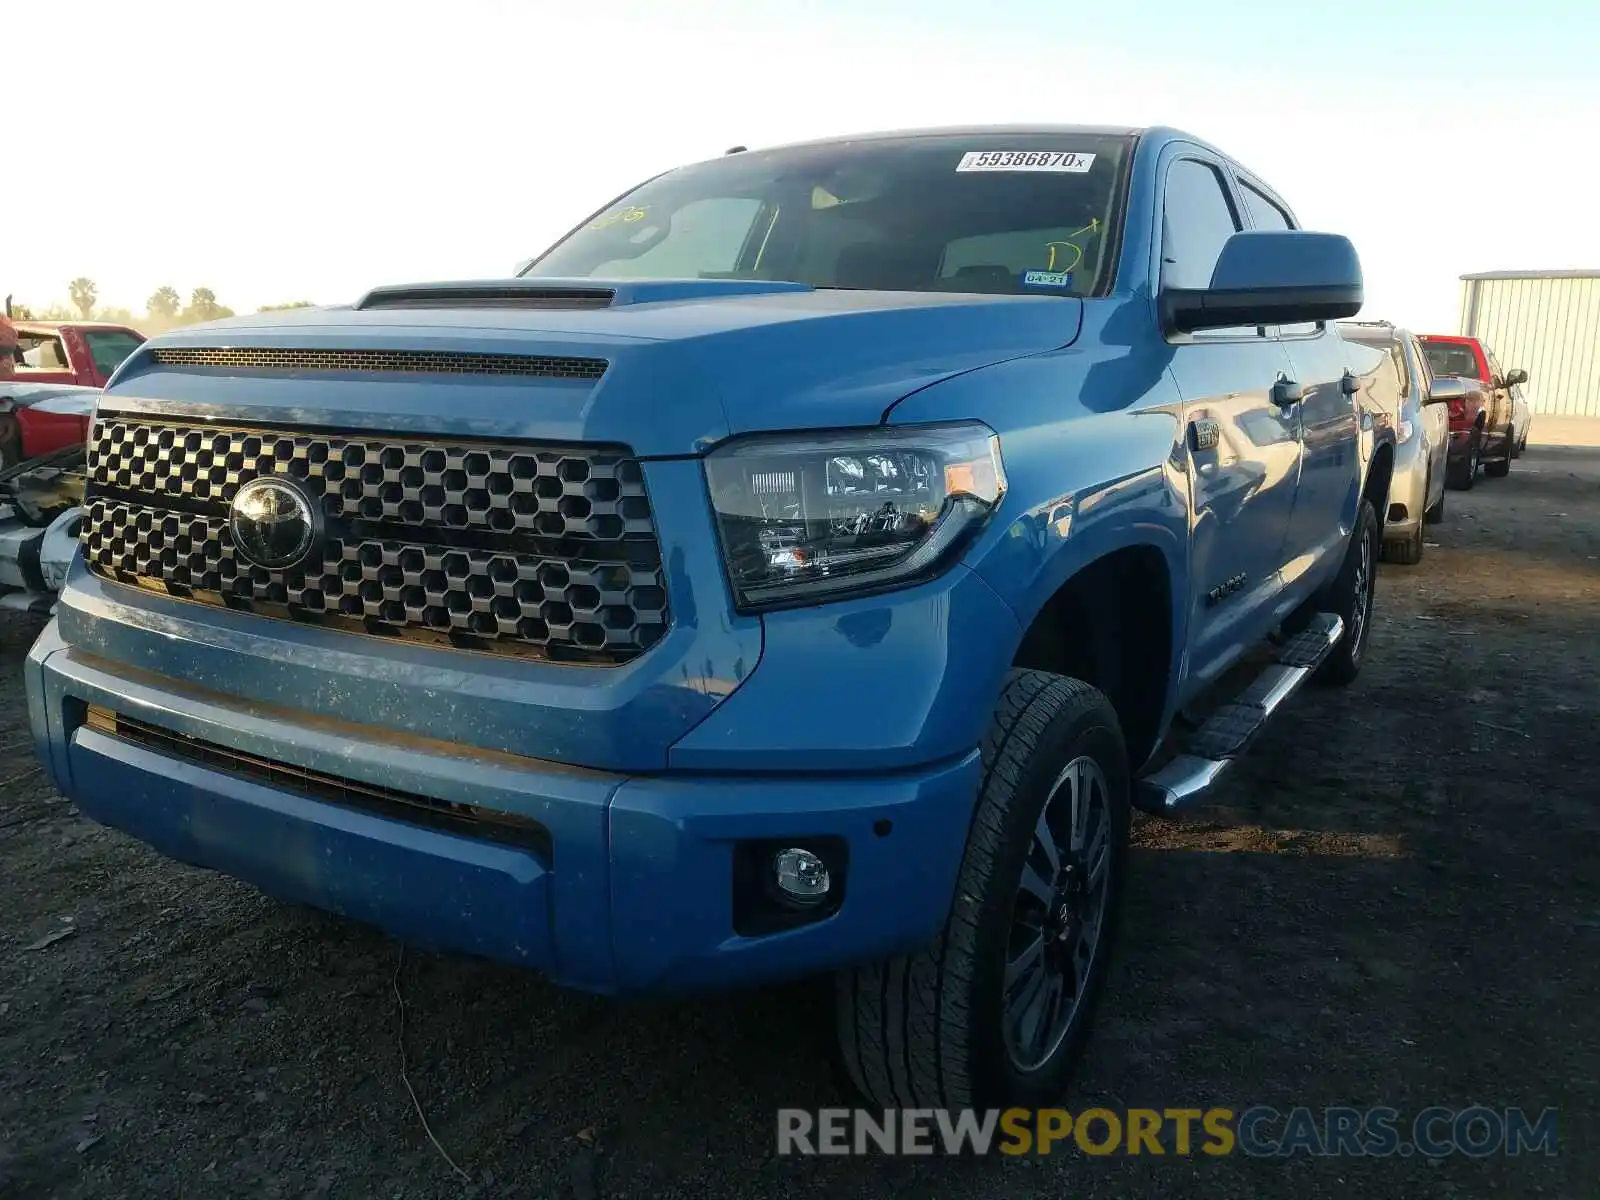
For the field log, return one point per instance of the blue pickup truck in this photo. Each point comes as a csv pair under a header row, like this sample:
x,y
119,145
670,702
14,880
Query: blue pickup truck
x,y
805,565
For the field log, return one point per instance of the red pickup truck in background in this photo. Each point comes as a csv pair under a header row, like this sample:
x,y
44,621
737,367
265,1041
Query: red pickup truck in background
x,y
80,352
50,374
43,427
1483,426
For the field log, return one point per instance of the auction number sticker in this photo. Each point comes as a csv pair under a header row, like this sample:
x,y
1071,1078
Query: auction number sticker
x,y
1069,161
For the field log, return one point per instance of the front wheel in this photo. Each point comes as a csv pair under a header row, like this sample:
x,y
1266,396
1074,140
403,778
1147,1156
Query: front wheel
x,y
996,1011
1434,515
1404,552
1351,596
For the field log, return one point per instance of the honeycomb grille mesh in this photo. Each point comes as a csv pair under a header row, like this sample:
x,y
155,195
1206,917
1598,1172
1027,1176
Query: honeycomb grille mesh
x,y
541,551
434,362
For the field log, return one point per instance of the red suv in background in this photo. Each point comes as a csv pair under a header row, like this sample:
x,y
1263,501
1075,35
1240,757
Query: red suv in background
x,y
1482,427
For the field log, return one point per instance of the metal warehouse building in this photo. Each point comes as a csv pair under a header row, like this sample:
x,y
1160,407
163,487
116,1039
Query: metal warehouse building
x,y
1547,323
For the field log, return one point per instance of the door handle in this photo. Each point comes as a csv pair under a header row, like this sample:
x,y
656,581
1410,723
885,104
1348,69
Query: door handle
x,y
1286,392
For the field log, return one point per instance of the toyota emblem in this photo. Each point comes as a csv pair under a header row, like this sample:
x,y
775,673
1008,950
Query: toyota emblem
x,y
273,523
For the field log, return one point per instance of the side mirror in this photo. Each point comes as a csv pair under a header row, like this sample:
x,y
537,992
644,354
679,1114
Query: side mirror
x,y
1515,376
1445,389
1272,277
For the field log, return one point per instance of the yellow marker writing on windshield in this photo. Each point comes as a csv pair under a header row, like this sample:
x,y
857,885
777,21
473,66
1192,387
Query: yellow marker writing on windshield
x,y
1092,227
627,215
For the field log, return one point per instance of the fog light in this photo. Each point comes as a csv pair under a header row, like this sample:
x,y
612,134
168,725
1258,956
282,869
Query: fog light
x,y
800,875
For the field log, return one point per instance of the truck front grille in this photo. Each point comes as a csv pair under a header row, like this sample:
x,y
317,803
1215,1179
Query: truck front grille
x,y
544,551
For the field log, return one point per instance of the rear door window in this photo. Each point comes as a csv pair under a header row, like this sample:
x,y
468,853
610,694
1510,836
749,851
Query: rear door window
x,y
1265,213
41,352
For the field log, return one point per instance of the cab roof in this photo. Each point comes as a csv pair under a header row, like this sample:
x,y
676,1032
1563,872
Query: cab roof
x,y
1160,133
25,325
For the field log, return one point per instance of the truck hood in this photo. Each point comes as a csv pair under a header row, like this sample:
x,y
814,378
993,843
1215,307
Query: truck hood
x,y
72,398
668,367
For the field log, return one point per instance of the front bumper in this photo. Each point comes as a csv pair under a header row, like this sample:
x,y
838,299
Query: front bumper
x,y
628,887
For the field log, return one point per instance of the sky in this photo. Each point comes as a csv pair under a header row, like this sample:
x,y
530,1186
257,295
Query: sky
x,y
310,150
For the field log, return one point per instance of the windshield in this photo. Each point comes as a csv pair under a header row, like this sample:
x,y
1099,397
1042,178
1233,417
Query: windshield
x,y
993,213
1451,358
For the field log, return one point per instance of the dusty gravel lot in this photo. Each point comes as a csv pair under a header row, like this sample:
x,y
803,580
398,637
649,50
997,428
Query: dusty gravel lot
x,y
1397,902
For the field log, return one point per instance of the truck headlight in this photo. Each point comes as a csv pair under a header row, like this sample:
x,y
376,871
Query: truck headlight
x,y
804,518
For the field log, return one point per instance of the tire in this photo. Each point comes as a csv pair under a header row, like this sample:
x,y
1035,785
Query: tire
x,y
1501,467
1462,475
10,441
1432,516
1350,596
1404,552
929,1029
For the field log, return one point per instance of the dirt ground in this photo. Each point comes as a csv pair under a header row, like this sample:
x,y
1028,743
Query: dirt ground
x,y
1397,902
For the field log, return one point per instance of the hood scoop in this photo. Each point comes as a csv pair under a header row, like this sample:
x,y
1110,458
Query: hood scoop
x,y
508,293
299,360
567,294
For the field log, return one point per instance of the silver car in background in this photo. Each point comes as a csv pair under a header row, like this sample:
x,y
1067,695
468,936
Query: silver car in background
x,y
1522,417
1396,379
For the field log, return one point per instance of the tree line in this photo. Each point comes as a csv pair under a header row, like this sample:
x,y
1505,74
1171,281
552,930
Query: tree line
x,y
165,309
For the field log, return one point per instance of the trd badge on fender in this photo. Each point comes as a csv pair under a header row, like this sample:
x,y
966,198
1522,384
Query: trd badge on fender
x,y
1225,589
273,523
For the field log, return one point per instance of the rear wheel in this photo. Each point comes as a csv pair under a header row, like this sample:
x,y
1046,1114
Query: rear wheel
x,y
1463,473
10,441
1350,596
1501,467
996,1011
